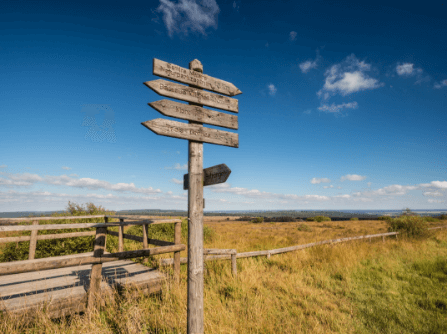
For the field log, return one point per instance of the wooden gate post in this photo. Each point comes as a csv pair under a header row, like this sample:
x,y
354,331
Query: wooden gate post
x,y
121,237
233,264
33,242
195,228
145,244
95,276
177,240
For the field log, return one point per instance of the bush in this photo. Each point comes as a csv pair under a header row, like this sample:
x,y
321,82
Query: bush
x,y
310,219
411,226
429,219
354,218
384,218
258,220
322,219
443,217
304,228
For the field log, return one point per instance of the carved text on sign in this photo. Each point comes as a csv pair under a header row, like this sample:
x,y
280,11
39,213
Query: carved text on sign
x,y
177,73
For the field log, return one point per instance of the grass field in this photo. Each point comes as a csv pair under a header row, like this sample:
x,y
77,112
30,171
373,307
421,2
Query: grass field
x,y
396,286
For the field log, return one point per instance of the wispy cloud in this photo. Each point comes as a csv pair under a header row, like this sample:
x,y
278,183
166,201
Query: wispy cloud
x,y
178,167
407,70
188,15
3,166
309,64
433,194
272,89
352,177
334,108
66,168
439,85
346,78
328,187
317,180
176,181
292,35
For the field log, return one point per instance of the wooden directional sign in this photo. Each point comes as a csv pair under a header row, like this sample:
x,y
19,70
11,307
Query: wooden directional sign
x,y
190,77
192,132
212,175
191,94
195,113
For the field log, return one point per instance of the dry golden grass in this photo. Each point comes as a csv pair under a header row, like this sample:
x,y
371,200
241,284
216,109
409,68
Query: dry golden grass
x,y
353,287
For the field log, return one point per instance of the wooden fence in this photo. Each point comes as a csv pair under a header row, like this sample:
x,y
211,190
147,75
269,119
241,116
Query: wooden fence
x,y
99,256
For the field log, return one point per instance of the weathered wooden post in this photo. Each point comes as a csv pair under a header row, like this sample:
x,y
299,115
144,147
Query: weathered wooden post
x,y
121,237
234,264
177,240
33,242
95,276
383,238
145,244
196,134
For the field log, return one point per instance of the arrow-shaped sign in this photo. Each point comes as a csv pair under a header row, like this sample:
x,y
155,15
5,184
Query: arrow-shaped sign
x,y
195,113
190,77
192,132
212,175
190,94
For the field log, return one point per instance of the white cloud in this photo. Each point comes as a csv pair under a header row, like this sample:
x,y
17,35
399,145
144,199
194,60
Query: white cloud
x,y
369,184
336,108
443,83
74,175
347,77
3,166
327,187
352,177
317,180
292,35
431,200
407,69
176,181
178,167
189,15
439,184
27,179
433,194
308,65
272,89
66,168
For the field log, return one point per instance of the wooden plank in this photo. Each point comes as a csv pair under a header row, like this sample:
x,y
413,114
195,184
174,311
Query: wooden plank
x,y
195,113
177,241
11,220
211,175
145,238
219,251
141,239
192,132
96,277
33,242
192,94
83,225
48,236
120,237
233,265
190,77
54,263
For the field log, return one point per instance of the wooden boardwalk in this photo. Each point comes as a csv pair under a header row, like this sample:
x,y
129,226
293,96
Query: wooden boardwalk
x,y
65,290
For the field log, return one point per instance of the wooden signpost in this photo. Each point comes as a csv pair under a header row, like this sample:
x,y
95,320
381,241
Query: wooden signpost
x,y
196,135
211,175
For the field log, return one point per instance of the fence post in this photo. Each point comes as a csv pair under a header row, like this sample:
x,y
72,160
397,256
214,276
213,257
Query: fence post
x,y
383,238
177,240
120,237
33,242
268,255
95,276
145,245
233,264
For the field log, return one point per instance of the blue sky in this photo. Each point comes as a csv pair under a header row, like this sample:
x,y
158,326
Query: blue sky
x,y
343,104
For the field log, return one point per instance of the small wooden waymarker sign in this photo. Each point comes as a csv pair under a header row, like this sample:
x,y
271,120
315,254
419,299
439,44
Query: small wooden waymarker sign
x,y
190,77
191,94
192,132
195,113
211,175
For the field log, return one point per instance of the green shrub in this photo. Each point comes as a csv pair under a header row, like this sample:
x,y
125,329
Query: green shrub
x,y
384,218
411,226
322,219
429,219
258,220
354,218
304,228
310,219
443,217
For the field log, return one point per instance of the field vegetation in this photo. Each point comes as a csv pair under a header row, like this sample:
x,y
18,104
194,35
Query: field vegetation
x,y
396,286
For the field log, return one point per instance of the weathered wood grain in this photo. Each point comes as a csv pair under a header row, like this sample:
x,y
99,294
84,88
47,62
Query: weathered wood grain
x,y
191,77
217,251
120,237
192,94
192,132
211,175
177,241
95,278
48,236
12,220
233,265
145,238
33,242
141,239
195,113
55,263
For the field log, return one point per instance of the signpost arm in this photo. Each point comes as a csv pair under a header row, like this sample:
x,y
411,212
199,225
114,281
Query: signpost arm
x,y
195,228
